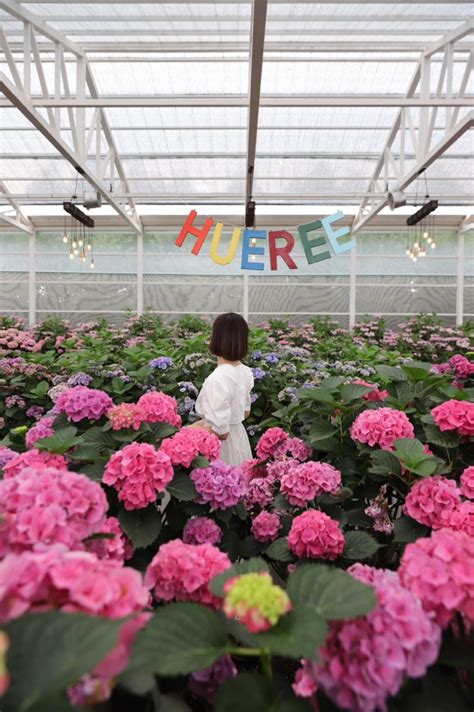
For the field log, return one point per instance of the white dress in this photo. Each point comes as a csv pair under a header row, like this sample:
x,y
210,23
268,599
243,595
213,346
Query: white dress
x,y
222,403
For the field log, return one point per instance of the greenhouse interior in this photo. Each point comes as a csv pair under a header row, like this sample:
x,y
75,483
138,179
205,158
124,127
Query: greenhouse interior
x,y
236,356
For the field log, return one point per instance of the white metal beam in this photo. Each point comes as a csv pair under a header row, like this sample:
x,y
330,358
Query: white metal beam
x,y
20,100
18,220
273,100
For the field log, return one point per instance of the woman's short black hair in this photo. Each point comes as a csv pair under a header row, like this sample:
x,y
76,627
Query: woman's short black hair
x,y
230,337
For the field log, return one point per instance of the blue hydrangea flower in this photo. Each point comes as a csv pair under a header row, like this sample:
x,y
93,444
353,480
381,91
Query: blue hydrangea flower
x,y
162,362
272,358
253,397
256,355
258,374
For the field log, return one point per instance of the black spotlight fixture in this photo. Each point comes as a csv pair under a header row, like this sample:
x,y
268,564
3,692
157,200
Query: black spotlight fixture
x,y
250,214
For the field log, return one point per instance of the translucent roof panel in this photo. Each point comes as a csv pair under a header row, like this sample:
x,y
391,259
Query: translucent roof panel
x,y
169,85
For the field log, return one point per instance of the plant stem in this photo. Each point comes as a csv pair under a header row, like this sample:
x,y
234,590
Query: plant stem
x,y
267,666
253,652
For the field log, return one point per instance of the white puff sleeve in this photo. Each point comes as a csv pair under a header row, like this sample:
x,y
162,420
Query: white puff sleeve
x,y
214,404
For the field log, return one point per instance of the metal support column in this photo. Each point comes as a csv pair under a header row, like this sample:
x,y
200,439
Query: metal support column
x,y
139,273
32,279
460,280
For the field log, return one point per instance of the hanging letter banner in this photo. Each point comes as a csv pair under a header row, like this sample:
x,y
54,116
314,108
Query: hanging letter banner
x,y
320,241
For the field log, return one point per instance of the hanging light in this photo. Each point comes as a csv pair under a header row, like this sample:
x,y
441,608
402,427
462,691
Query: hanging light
x,y
92,263
65,238
71,255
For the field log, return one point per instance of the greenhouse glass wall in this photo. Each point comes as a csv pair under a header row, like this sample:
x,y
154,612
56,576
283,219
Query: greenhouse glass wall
x,y
37,280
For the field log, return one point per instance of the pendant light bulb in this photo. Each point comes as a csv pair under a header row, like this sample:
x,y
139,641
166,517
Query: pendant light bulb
x,y
75,251
89,246
74,244
81,242
92,263
65,238
425,234
414,258
71,255
433,245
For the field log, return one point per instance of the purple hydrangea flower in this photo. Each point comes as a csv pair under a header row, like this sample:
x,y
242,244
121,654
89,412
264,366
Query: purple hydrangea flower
x,y
219,485
272,358
258,374
13,401
79,379
256,355
36,412
162,362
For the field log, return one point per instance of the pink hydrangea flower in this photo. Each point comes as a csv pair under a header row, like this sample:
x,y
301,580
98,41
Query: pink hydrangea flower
x,y
274,442
440,571
157,407
38,459
125,415
455,415
259,492
6,454
48,506
138,472
188,443
381,426
283,466
366,660
467,482
265,526
309,480
375,394
82,402
206,683
183,572
431,500
42,429
253,468
219,485
298,449
118,548
314,535
461,518
202,530
71,581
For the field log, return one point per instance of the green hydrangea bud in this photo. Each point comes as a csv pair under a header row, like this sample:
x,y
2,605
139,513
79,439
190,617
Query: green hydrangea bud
x,y
255,600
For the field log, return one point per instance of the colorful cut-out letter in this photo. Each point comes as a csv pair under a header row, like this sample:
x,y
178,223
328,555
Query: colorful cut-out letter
x,y
248,250
227,259
283,252
335,235
199,232
310,244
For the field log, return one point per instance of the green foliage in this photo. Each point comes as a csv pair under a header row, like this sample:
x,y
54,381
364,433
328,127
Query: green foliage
x,y
179,639
360,545
331,593
142,526
50,651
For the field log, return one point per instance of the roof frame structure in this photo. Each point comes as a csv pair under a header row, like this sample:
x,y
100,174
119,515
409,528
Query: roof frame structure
x,y
40,52
392,169
20,96
19,219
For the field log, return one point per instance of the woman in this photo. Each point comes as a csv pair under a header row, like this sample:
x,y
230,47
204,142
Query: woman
x,y
224,400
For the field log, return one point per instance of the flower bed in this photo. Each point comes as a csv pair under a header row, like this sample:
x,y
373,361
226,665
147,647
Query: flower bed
x,y
333,571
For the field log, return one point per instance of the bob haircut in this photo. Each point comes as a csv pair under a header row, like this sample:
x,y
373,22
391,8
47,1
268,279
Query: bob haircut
x,y
230,337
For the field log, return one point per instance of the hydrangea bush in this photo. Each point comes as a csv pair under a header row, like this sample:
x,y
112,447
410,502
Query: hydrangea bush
x,y
334,570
